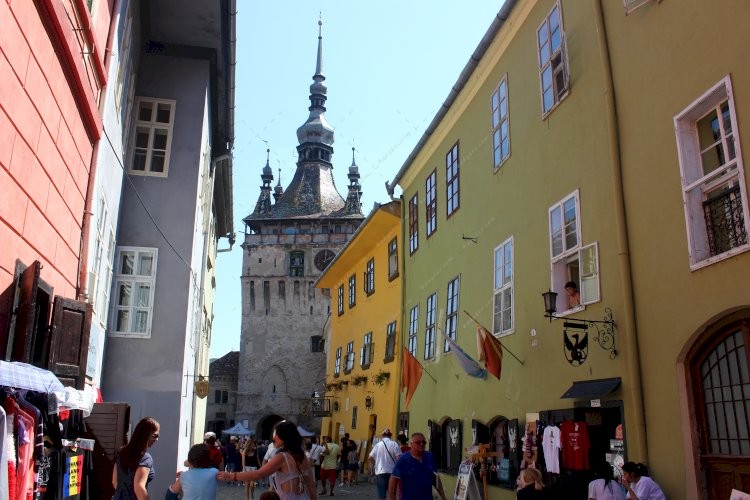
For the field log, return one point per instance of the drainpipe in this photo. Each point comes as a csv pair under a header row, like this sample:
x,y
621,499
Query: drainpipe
x,y
402,278
82,293
630,337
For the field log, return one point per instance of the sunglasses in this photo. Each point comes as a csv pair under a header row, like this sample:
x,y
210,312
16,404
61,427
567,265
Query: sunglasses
x,y
155,436
419,442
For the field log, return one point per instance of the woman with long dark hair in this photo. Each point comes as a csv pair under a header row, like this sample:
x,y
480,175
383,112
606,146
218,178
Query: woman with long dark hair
x,y
134,467
604,486
293,474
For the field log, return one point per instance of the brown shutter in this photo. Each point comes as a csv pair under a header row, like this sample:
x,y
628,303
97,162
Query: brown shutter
x,y
26,314
107,426
69,349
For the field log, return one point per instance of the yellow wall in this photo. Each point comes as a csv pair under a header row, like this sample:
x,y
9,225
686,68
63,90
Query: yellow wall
x,y
370,314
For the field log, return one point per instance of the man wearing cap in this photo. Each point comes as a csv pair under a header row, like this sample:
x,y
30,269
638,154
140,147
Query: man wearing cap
x,y
382,459
217,459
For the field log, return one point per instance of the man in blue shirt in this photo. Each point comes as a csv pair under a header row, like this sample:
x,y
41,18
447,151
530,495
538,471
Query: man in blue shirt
x,y
415,473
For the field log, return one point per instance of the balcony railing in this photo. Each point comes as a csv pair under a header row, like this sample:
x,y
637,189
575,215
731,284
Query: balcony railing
x,y
321,406
725,223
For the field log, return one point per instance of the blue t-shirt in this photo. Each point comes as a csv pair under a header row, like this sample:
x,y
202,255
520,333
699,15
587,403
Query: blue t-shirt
x,y
416,477
199,484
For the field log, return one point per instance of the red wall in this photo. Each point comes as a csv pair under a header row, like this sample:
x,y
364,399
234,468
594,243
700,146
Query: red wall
x,y
49,122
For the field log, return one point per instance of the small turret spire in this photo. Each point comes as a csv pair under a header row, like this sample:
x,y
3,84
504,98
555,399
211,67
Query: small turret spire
x,y
263,205
278,190
353,204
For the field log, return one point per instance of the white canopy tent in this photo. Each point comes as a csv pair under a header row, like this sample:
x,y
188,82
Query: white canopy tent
x,y
238,430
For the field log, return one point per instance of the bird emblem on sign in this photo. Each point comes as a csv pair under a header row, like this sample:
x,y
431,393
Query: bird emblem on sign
x,y
577,348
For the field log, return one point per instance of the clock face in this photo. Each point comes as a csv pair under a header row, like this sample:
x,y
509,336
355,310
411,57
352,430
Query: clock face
x,y
323,258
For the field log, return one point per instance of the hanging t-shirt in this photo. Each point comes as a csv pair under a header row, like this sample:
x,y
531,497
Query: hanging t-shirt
x,y
73,474
551,447
575,445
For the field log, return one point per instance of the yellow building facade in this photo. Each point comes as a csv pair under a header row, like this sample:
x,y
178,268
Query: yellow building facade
x,y
363,337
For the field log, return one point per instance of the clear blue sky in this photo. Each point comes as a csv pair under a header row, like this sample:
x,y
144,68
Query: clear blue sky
x,y
389,65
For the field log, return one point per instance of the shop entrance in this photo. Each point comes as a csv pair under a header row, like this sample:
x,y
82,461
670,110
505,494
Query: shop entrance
x,y
606,442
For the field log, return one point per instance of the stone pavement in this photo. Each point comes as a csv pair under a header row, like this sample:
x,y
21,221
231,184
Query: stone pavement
x,y
363,490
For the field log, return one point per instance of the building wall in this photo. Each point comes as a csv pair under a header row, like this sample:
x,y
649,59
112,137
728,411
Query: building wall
x,y
551,158
673,304
156,375
372,313
49,124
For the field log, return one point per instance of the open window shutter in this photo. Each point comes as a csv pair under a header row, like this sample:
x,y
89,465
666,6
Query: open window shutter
x,y
26,313
588,259
107,426
480,432
454,445
71,325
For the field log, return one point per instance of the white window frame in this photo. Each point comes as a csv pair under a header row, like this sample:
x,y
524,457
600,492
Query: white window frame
x,y
370,277
430,203
545,56
341,300
696,184
393,258
337,363
352,290
413,215
451,311
133,280
152,125
430,326
500,121
124,56
365,353
503,295
349,363
413,329
452,180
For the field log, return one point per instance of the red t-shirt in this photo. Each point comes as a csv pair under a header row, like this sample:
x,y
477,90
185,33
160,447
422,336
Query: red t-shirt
x,y
215,455
575,445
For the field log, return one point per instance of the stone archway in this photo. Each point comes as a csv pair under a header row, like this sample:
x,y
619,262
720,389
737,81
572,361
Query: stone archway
x,y
265,426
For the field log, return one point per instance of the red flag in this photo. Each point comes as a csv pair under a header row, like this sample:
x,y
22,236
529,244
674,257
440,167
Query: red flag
x,y
490,351
411,374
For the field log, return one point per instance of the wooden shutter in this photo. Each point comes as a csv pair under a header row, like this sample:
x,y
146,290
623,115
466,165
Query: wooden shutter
x,y
454,445
24,324
107,426
69,349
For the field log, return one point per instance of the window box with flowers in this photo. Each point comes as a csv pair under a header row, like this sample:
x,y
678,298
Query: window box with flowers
x,y
359,380
380,378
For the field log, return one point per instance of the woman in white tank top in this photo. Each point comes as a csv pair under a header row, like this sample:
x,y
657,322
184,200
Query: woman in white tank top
x,y
294,478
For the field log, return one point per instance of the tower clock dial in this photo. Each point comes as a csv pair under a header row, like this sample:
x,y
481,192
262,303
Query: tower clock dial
x,y
323,258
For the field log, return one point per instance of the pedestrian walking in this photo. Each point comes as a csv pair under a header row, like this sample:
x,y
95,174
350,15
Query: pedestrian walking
x,y
134,466
250,461
209,439
315,456
328,465
415,473
382,460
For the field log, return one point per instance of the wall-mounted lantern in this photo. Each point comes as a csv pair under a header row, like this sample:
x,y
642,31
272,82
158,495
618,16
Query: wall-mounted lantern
x,y
368,402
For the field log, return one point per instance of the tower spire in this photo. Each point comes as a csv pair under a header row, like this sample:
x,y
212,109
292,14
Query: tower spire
x,y
278,190
353,204
263,205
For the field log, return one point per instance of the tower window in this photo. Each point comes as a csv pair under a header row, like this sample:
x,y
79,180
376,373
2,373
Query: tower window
x,y
297,264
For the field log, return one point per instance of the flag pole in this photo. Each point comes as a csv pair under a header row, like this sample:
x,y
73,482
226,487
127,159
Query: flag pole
x,y
423,368
504,347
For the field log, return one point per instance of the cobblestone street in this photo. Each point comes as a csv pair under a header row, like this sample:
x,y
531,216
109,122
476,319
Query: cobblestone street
x,y
364,490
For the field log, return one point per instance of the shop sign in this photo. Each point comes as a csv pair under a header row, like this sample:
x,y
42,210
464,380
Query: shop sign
x,y
596,403
617,445
201,388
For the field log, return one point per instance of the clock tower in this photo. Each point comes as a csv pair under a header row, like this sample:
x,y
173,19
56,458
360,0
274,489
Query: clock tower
x,y
288,243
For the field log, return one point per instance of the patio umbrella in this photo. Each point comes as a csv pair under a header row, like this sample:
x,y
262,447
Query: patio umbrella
x,y
25,376
238,430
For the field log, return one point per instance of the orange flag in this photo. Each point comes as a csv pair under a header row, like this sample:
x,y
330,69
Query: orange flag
x,y
411,374
490,351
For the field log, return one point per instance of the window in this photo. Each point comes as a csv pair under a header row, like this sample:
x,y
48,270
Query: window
x,y
500,123
430,202
429,331
370,277
135,280
451,310
153,136
553,64
349,357
352,291
571,261
451,180
337,366
413,225
296,264
713,177
354,417
413,329
392,259
503,295
341,300
317,343
365,354
390,342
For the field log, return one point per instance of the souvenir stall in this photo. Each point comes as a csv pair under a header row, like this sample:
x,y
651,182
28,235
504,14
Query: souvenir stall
x,y
43,449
